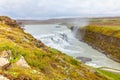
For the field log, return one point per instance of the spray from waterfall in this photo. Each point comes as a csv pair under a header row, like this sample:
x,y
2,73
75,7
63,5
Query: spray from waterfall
x,y
76,24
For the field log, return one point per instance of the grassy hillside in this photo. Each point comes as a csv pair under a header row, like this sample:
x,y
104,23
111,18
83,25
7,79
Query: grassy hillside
x,y
104,35
113,31
45,63
112,76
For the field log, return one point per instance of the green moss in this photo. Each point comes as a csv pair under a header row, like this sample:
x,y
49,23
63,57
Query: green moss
x,y
32,74
74,62
53,51
106,30
110,75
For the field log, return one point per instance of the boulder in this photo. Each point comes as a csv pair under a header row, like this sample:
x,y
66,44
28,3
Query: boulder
x,y
6,54
3,62
22,63
8,21
84,59
3,78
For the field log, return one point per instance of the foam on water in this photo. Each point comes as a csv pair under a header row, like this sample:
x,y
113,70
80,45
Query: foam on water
x,y
63,39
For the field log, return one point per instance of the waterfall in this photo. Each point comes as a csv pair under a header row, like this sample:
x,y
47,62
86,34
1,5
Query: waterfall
x,y
63,39
75,30
75,25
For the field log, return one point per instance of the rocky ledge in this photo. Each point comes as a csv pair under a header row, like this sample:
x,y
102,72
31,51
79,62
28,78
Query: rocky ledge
x,y
106,39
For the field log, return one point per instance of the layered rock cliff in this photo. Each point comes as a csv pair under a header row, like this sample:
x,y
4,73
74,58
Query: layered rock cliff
x,y
105,39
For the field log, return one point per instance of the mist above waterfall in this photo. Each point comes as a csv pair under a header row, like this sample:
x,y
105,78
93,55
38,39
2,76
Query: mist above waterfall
x,y
79,22
76,24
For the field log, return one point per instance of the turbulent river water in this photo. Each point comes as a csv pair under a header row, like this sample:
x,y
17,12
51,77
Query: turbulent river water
x,y
62,38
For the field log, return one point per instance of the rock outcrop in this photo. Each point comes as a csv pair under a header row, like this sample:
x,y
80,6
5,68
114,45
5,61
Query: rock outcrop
x,y
8,21
4,59
22,63
3,62
84,59
6,54
104,39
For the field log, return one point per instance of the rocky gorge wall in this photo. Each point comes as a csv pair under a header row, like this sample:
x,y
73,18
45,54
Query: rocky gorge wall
x,y
104,39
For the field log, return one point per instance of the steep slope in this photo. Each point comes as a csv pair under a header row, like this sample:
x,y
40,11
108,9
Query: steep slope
x,y
30,59
105,39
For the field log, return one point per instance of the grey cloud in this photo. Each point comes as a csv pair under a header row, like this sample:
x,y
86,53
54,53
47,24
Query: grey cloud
x,y
40,9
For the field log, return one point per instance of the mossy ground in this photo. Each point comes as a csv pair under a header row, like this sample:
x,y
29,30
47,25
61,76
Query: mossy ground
x,y
110,75
113,31
105,38
46,63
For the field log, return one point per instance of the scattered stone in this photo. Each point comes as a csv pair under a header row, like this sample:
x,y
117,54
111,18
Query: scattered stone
x,y
84,59
7,66
25,39
8,21
35,72
22,63
8,29
67,79
6,54
3,78
80,73
23,77
61,60
38,43
3,62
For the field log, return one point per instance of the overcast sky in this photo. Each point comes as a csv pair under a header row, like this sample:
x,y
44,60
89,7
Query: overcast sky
x,y
43,9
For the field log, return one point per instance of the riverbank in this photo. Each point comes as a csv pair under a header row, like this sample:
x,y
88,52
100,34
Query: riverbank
x,y
105,39
40,62
113,74
110,70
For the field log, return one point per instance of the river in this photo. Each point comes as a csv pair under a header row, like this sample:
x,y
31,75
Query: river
x,y
62,38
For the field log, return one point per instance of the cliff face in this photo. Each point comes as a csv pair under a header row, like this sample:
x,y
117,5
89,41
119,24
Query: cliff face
x,y
26,58
105,39
8,21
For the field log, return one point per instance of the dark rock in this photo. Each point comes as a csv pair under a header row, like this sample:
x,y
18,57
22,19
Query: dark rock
x,y
84,59
57,26
6,67
107,44
38,43
8,21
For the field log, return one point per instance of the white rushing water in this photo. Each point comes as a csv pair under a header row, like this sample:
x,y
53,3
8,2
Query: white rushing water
x,y
62,38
